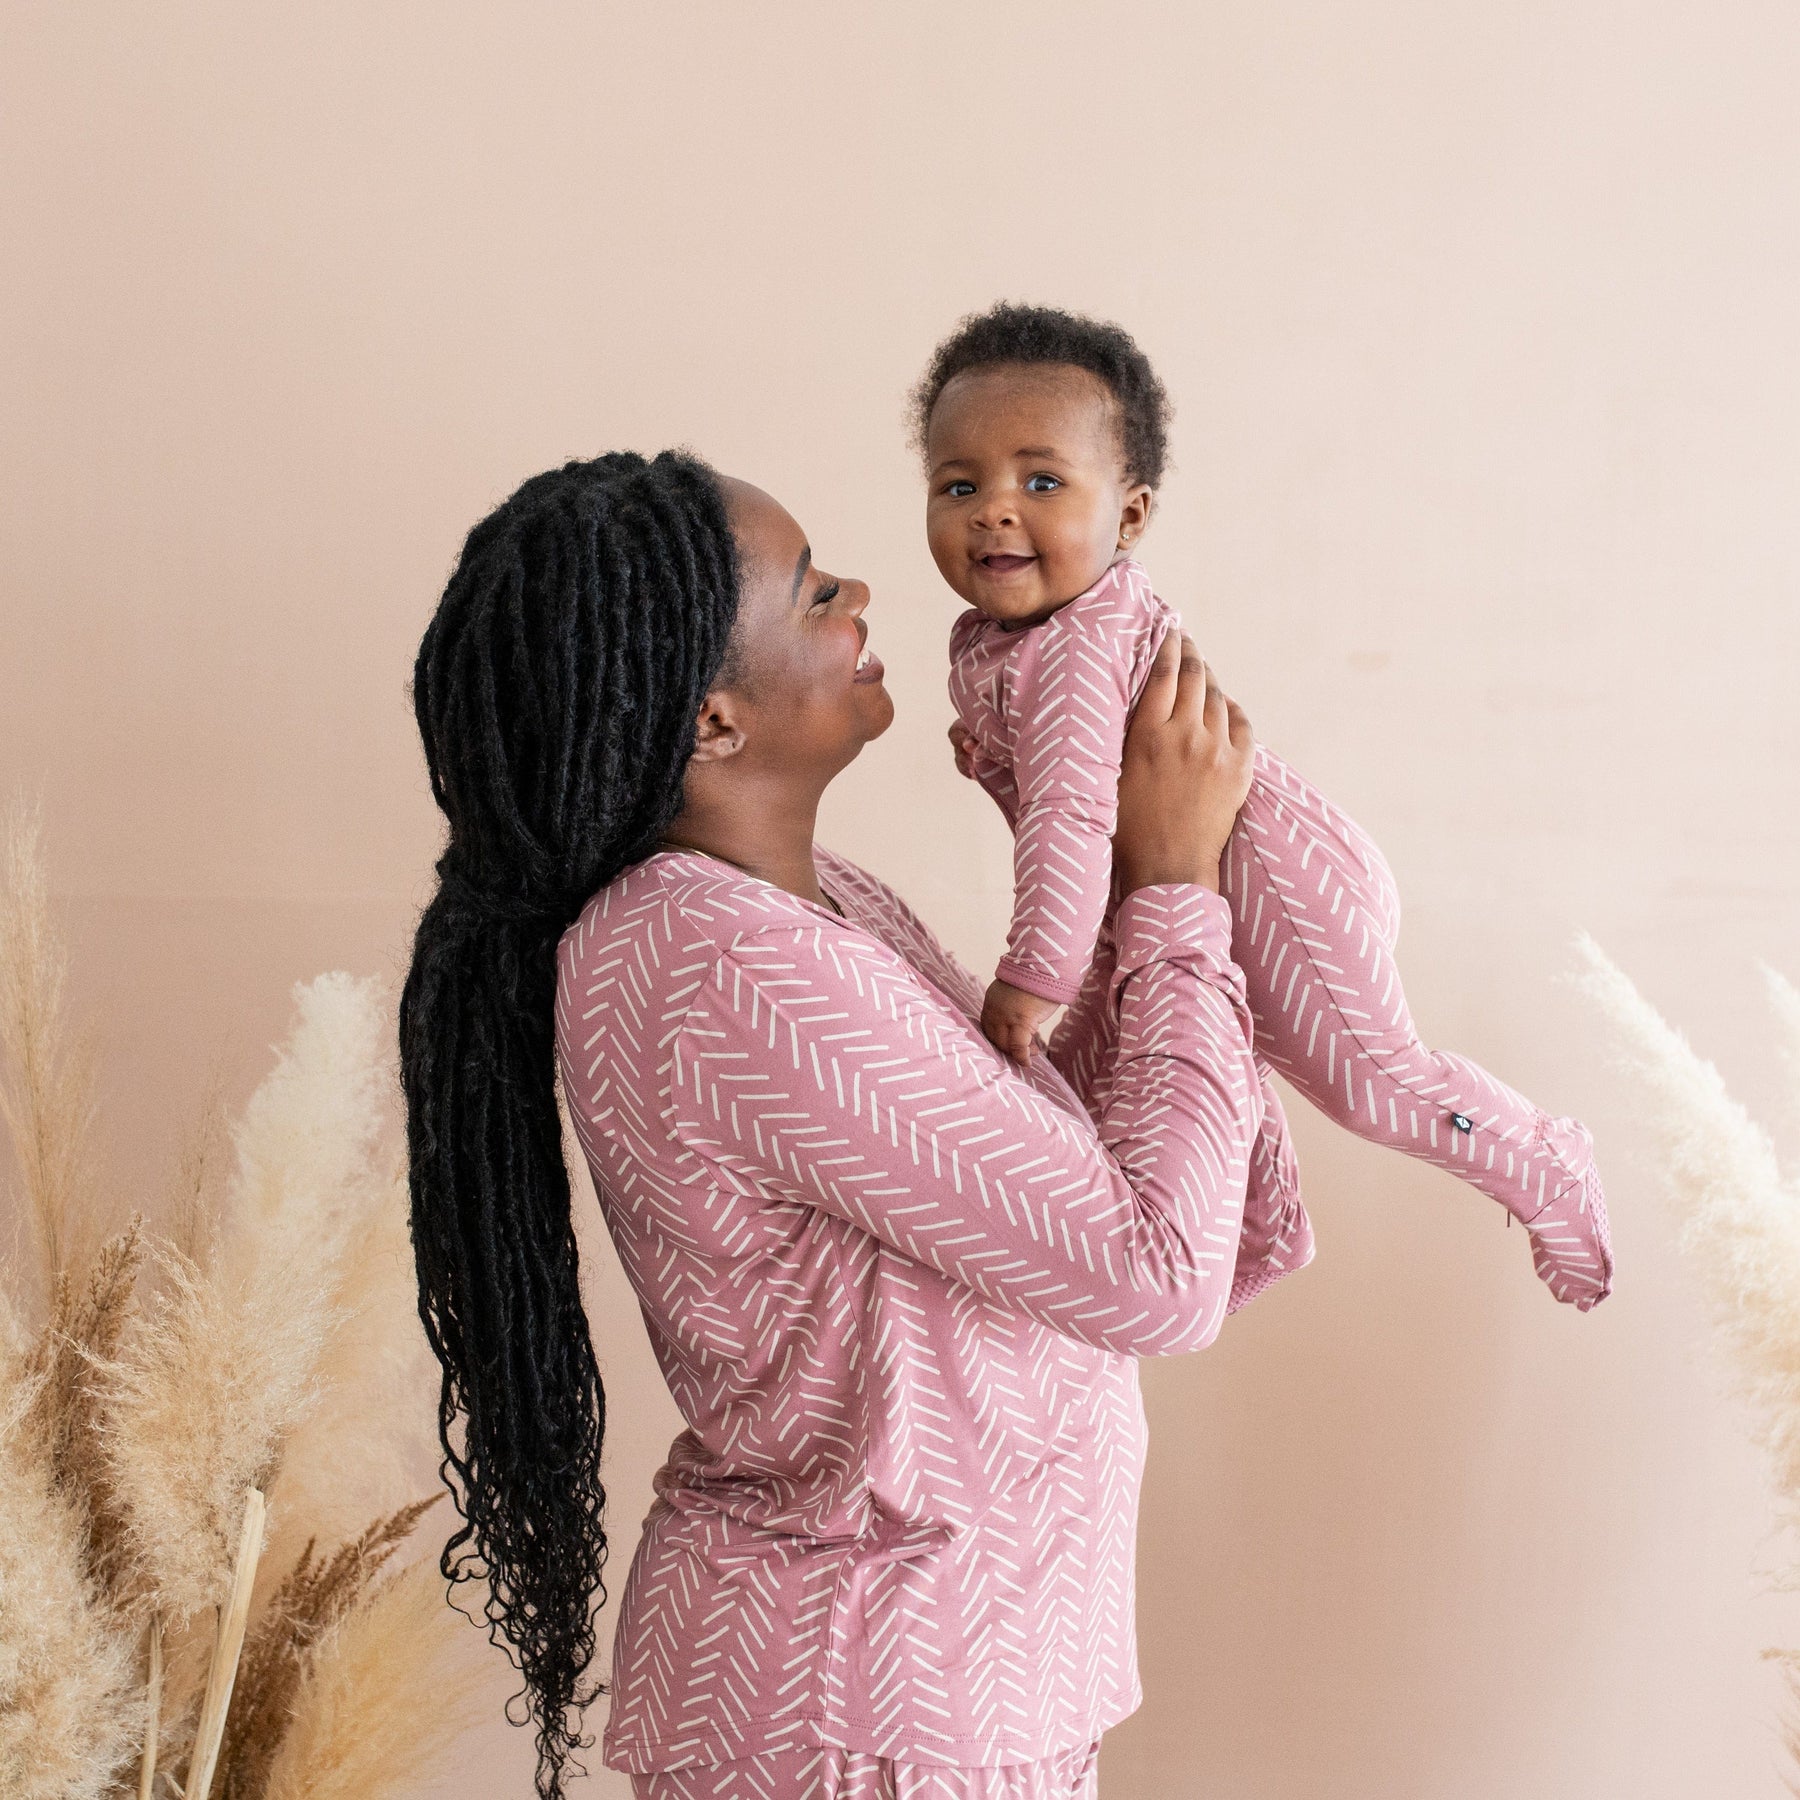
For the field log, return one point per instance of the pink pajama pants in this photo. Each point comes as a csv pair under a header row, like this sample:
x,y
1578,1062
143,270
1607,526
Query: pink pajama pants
x,y
1315,918
828,1773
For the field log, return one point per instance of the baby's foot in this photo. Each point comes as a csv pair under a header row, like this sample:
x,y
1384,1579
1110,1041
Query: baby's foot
x,y
1571,1243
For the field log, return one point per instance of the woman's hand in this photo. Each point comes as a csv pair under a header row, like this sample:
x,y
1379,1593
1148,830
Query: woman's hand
x,y
1184,774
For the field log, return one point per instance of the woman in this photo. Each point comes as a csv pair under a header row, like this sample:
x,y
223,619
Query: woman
x,y
896,1284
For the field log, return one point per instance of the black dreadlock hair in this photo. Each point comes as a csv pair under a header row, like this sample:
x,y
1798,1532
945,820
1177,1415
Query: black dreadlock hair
x,y
1010,333
557,689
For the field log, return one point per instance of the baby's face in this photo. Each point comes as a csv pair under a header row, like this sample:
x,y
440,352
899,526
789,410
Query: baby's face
x,y
1028,501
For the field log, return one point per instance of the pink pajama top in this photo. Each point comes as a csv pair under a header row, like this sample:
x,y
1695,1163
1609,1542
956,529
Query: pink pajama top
x,y
1047,705
897,1288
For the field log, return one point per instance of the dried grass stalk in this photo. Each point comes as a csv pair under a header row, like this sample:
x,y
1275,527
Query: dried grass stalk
x,y
222,1675
152,1709
46,1078
68,1712
315,1595
386,1698
187,1655
196,1196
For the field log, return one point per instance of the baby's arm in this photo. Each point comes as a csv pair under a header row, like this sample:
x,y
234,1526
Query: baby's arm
x,y
1010,1017
1069,700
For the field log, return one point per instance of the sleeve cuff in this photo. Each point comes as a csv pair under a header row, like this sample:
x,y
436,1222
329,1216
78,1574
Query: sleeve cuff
x,y
1174,919
1036,981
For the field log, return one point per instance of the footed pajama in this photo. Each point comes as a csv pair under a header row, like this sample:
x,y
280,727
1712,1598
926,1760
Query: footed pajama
x,y
1315,916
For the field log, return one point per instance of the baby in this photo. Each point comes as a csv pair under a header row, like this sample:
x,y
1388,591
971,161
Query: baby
x,y
1044,436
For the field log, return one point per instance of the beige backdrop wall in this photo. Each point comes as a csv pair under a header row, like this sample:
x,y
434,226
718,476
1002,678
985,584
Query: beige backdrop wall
x,y
1480,324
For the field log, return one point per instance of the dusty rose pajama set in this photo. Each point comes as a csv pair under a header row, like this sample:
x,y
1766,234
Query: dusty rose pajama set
x,y
898,1286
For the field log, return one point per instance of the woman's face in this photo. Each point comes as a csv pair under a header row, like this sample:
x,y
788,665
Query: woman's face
x,y
804,690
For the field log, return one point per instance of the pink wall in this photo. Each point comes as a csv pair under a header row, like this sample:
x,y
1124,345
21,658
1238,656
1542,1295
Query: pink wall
x,y
1480,324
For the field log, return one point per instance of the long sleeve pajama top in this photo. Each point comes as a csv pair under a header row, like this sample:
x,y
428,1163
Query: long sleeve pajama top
x,y
898,1288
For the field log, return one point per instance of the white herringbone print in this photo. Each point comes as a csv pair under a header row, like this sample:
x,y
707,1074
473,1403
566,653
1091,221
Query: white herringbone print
x,y
1315,917
897,1288
830,1774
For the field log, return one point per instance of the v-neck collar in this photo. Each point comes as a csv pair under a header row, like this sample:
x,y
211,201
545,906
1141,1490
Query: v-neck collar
x,y
833,908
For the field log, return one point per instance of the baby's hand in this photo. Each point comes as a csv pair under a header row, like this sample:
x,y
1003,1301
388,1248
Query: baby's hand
x,y
962,744
1010,1018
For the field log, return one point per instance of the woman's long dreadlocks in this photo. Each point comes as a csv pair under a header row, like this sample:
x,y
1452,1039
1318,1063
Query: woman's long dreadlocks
x,y
557,689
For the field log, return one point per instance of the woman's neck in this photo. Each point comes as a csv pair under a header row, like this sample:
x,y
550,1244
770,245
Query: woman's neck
x,y
768,834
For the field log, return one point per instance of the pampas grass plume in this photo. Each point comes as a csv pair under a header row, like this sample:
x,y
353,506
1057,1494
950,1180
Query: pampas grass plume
x,y
1740,1222
1784,1002
46,1078
386,1698
305,1139
147,1386
203,1395
368,1444
209,1391
69,1715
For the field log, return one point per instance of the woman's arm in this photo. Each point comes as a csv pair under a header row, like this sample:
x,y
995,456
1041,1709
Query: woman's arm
x,y
815,1065
1277,1235
818,1065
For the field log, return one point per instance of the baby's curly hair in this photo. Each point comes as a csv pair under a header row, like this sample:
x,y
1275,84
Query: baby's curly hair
x,y
1011,333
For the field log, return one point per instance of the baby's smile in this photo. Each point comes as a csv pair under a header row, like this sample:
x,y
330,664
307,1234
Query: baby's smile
x,y
1029,495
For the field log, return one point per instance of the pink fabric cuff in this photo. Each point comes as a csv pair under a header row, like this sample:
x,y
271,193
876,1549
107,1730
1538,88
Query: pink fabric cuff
x,y
1175,919
1036,981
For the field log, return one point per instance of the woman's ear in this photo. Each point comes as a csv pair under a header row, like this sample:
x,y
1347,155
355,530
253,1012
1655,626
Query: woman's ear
x,y
718,733
1134,513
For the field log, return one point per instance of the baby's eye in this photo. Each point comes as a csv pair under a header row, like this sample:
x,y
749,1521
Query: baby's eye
x,y
1051,484
960,490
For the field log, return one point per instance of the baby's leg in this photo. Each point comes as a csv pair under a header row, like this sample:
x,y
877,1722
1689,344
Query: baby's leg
x,y
1315,917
